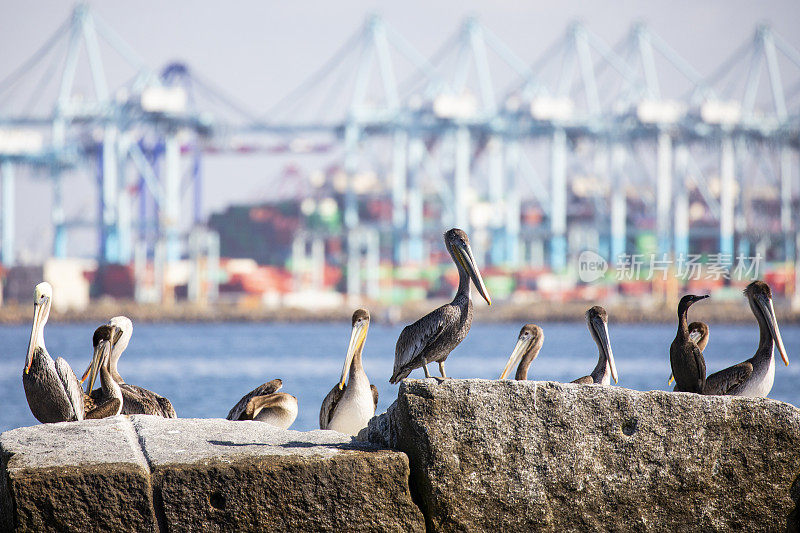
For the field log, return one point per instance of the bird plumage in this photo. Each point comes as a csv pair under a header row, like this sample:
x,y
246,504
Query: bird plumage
x,y
755,376
606,369
435,335
270,387
51,387
686,359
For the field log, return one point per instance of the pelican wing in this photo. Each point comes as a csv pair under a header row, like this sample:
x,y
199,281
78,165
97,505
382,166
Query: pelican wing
x,y
256,404
90,401
109,407
269,387
140,401
415,338
166,407
374,390
585,380
724,381
329,405
72,387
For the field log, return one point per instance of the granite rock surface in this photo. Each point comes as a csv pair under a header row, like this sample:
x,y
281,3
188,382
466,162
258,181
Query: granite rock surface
x,y
146,473
544,456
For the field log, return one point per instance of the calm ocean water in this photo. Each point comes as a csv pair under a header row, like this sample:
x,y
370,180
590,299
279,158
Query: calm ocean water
x,y
205,368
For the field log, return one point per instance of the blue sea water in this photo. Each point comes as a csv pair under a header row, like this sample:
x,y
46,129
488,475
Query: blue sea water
x,y
205,368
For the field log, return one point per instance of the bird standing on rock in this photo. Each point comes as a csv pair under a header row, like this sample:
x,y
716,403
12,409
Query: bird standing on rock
x,y
348,407
137,400
597,320
529,343
432,337
698,332
755,376
266,404
53,391
107,400
686,359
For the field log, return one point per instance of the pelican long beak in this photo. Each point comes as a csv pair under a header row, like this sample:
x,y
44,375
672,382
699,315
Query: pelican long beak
x,y
521,347
769,313
671,379
467,260
38,311
98,358
601,330
357,338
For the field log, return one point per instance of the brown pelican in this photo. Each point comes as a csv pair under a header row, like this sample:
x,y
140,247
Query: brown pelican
x,y
434,336
698,332
529,342
685,357
108,399
136,400
348,408
265,404
597,320
755,376
53,392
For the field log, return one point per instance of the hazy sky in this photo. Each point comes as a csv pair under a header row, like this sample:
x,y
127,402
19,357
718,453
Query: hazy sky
x,y
260,50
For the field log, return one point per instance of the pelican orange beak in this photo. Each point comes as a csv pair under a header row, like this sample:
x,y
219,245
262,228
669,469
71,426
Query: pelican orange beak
x,y
519,350
467,260
357,337
86,374
39,309
600,330
765,303
671,379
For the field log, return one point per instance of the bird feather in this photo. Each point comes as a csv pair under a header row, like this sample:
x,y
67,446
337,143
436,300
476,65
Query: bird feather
x,y
264,389
72,387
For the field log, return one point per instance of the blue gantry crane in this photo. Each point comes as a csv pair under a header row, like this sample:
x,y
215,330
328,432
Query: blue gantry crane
x,y
474,129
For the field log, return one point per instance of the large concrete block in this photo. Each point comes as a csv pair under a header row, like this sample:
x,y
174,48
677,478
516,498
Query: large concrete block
x,y
146,473
218,475
508,455
74,476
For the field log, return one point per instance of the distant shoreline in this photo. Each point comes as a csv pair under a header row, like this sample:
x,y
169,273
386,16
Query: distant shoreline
x,y
621,311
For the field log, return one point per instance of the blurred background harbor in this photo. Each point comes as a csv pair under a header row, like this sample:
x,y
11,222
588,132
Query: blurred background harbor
x,y
118,175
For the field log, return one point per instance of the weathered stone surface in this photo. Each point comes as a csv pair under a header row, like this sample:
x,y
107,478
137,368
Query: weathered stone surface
x,y
214,474
74,476
146,473
492,455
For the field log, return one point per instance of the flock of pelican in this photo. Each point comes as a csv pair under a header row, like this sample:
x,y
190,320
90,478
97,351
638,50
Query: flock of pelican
x,y
54,392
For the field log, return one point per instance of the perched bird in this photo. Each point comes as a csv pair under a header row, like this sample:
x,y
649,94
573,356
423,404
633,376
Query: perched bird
x,y
755,376
597,320
136,400
266,404
108,400
529,342
686,359
348,407
434,336
51,388
698,332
